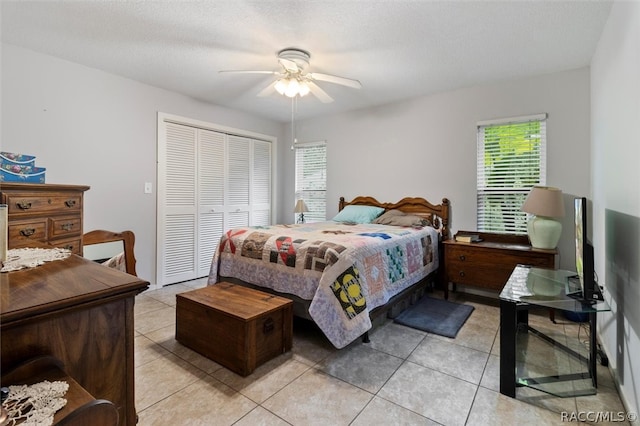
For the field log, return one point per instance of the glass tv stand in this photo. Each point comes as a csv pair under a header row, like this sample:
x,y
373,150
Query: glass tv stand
x,y
547,360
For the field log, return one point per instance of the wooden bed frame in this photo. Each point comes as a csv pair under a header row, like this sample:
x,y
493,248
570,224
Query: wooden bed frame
x,y
438,216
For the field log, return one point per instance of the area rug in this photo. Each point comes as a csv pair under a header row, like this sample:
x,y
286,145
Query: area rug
x,y
435,316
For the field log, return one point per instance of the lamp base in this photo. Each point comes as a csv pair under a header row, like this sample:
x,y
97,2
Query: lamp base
x,y
544,232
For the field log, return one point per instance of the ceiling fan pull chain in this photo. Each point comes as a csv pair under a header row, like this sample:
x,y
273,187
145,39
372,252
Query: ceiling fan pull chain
x,y
293,122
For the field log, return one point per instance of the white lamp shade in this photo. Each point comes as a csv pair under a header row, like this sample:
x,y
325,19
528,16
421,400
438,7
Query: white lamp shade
x,y
304,89
281,86
292,88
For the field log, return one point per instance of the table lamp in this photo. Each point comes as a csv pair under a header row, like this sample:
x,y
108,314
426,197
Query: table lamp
x,y
300,208
545,205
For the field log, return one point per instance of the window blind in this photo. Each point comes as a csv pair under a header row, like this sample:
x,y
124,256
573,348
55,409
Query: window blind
x,y
511,158
311,179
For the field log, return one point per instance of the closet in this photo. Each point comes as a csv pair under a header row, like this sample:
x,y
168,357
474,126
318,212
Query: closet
x,y
210,179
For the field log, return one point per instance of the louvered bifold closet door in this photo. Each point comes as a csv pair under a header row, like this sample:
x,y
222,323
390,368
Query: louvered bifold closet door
x,y
211,193
178,220
209,181
238,181
261,184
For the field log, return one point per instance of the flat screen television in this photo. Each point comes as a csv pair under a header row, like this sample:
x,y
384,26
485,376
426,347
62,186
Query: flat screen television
x,y
589,289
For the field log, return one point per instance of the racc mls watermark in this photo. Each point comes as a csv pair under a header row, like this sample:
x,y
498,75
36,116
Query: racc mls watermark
x,y
598,416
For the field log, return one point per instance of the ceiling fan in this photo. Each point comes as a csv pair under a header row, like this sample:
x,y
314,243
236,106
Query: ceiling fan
x,y
294,80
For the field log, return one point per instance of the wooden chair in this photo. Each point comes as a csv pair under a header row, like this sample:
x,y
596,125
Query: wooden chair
x,y
126,237
81,408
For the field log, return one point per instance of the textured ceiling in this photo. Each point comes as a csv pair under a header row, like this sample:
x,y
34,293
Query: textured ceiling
x,y
397,49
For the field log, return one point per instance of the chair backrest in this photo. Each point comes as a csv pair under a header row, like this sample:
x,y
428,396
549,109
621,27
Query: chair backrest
x,y
126,237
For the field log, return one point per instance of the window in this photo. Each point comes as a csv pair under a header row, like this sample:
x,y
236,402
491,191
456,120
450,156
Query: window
x,y
311,179
511,159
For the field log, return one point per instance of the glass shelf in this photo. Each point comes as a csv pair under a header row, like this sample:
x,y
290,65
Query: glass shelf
x,y
549,357
549,288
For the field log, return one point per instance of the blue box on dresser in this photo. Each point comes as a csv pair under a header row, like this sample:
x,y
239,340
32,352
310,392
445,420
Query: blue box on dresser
x,y
20,168
26,174
17,159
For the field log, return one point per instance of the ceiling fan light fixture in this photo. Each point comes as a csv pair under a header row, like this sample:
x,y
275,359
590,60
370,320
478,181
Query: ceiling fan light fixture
x,y
304,89
292,88
281,85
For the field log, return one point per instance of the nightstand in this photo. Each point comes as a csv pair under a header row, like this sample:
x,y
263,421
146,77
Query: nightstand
x,y
489,263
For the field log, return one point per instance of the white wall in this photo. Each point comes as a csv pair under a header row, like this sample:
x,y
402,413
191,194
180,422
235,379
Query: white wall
x,y
92,128
426,147
615,89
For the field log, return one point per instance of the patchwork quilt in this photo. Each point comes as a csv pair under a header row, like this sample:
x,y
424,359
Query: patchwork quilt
x,y
344,270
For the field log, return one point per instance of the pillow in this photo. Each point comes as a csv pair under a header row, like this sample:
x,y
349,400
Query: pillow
x,y
399,218
358,214
387,216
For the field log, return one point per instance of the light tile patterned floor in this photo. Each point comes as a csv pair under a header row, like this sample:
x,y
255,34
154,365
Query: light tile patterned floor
x,y
402,377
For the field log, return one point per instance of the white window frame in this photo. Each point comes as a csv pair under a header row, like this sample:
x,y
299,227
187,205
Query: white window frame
x,y
315,199
502,191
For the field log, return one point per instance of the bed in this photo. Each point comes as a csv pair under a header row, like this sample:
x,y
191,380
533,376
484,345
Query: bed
x,y
341,273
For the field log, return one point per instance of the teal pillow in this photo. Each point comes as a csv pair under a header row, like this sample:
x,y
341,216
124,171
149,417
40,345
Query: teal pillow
x,y
358,214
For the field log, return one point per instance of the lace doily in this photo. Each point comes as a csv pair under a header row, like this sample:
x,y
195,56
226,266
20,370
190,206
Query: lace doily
x,y
35,405
29,257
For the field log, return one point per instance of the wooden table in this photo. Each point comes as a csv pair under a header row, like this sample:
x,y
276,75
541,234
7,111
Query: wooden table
x,y
80,313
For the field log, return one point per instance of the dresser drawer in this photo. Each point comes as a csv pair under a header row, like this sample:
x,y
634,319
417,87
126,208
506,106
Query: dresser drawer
x,y
480,257
37,204
492,278
73,244
64,226
475,266
26,232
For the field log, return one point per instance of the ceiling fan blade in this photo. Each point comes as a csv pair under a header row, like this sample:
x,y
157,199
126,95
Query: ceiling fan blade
x,y
319,93
267,90
248,72
335,79
289,65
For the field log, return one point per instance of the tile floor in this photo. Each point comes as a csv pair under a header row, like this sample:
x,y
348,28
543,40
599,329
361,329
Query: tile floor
x,y
402,377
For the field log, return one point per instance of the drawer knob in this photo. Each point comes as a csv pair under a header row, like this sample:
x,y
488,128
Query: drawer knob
x,y
70,203
462,257
27,232
24,205
69,247
461,273
67,226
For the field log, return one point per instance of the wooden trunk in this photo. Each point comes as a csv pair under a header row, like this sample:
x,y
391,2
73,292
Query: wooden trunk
x,y
238,327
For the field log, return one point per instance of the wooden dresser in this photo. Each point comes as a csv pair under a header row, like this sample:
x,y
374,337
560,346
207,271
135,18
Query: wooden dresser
x,y
44,213
490,262
80,313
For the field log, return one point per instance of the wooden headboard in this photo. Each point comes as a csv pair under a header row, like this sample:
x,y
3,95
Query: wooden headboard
x,y
438,214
